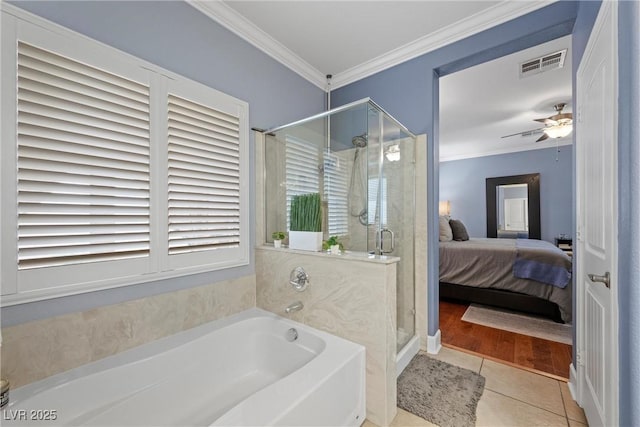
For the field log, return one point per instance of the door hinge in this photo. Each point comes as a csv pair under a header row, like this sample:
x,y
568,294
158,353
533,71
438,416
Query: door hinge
x,y
579,359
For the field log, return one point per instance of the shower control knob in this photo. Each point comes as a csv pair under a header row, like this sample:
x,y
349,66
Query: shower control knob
x,y
299,279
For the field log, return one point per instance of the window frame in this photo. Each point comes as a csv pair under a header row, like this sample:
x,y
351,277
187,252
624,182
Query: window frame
x,y
51,282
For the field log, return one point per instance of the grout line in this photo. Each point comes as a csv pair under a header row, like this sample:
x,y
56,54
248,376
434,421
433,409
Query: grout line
x,y
566,415
529,404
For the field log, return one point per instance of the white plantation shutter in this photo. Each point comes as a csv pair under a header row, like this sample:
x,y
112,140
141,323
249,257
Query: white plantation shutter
x,y
336,188
372,201
204,177
302,160
83,162
114,171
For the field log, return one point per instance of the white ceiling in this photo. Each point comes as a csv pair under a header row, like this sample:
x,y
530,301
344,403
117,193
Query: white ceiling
x,y
334,36
352,39
480,104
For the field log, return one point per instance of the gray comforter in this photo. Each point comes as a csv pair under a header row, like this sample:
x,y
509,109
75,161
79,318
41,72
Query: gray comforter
x,y
488,263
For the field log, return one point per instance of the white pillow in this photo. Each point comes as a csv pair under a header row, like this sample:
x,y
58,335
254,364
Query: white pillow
x,y
446,235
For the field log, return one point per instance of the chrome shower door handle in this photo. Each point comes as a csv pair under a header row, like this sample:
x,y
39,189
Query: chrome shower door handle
x,y
393,241
605,280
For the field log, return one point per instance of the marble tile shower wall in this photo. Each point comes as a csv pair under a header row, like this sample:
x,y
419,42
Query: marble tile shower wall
x,y
406,191
400,211
353,299
35,350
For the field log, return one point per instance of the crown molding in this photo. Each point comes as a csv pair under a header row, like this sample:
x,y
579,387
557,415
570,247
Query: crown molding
x,y
508,150
488,18
247,30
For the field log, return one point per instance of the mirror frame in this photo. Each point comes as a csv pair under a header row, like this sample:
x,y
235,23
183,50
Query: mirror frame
x,y
533,194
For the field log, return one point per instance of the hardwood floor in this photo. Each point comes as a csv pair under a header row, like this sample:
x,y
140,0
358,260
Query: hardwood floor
x,y
522,350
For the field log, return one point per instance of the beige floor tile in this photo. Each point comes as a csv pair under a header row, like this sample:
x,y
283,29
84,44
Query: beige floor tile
x,y
496,410
526,386
459,358
574,423
404,419
407,419
574,412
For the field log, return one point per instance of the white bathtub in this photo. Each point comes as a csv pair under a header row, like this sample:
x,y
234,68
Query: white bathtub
x,y
240,370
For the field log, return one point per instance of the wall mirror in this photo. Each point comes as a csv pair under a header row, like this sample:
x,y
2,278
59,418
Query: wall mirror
x,y
513,206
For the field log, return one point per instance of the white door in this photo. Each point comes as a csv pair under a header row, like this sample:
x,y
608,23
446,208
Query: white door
x,y
515,214
596,185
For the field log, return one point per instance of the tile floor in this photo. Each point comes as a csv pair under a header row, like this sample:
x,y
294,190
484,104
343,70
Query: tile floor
x,y
511,397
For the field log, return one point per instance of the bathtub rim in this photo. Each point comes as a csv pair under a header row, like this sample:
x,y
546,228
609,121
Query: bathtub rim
x,y
338,347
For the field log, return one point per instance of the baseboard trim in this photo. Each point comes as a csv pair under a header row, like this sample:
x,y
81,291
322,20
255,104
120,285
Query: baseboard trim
x,y
434,344
573,384
406,354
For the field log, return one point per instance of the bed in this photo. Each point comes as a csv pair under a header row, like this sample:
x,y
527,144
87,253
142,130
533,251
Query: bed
x,y
526,275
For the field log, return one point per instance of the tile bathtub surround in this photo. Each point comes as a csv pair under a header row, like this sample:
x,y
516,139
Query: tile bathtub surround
x,y
348,297
35,350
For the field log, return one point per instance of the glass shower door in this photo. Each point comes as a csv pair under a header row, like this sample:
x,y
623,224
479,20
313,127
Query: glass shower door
x,y
392,200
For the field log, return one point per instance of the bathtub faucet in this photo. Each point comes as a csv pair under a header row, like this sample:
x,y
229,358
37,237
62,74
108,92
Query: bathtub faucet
x,y
296,306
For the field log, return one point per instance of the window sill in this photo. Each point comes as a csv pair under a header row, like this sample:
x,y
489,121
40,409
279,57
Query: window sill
x,y
346,255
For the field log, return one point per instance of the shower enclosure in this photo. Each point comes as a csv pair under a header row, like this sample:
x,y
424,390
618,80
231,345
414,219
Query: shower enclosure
x,y
362,162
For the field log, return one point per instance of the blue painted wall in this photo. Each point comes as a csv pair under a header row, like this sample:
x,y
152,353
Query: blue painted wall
x,y
463,183
629,210
179,38
409,92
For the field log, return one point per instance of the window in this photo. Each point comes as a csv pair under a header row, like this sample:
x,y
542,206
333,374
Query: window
x,y
336,190
83,163
302,164
204,178
114,171
372,201
302,174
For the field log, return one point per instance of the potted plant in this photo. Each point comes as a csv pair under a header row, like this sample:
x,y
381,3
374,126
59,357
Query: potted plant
x,y
278,237
305,231
333,245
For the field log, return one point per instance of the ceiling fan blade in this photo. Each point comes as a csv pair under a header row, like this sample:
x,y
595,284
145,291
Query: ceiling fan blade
x,y
521,133
543,137
548,121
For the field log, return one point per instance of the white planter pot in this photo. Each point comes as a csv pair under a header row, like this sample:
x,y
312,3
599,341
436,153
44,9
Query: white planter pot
x,y
305,240
335,249
277,243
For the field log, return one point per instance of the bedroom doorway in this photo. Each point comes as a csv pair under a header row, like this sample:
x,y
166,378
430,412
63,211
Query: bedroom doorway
x,y
497,137
597,376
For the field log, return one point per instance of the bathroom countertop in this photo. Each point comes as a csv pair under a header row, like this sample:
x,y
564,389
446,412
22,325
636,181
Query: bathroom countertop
x,y
345,255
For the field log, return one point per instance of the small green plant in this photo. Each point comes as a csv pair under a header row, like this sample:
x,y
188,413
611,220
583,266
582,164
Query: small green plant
x,y
306,213
278,235
332,241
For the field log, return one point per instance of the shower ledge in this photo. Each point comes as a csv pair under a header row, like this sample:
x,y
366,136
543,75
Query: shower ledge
x,y
347,255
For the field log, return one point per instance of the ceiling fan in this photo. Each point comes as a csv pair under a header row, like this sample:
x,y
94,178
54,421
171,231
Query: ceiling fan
x,y
557,126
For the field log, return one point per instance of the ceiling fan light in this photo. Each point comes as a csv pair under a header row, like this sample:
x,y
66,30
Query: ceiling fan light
x,y
393,153
559,131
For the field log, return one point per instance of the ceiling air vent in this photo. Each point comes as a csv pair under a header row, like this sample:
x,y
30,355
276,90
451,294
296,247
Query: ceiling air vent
x,y
544,63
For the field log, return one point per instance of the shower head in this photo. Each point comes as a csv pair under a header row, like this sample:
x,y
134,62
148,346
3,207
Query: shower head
x,y
359,141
